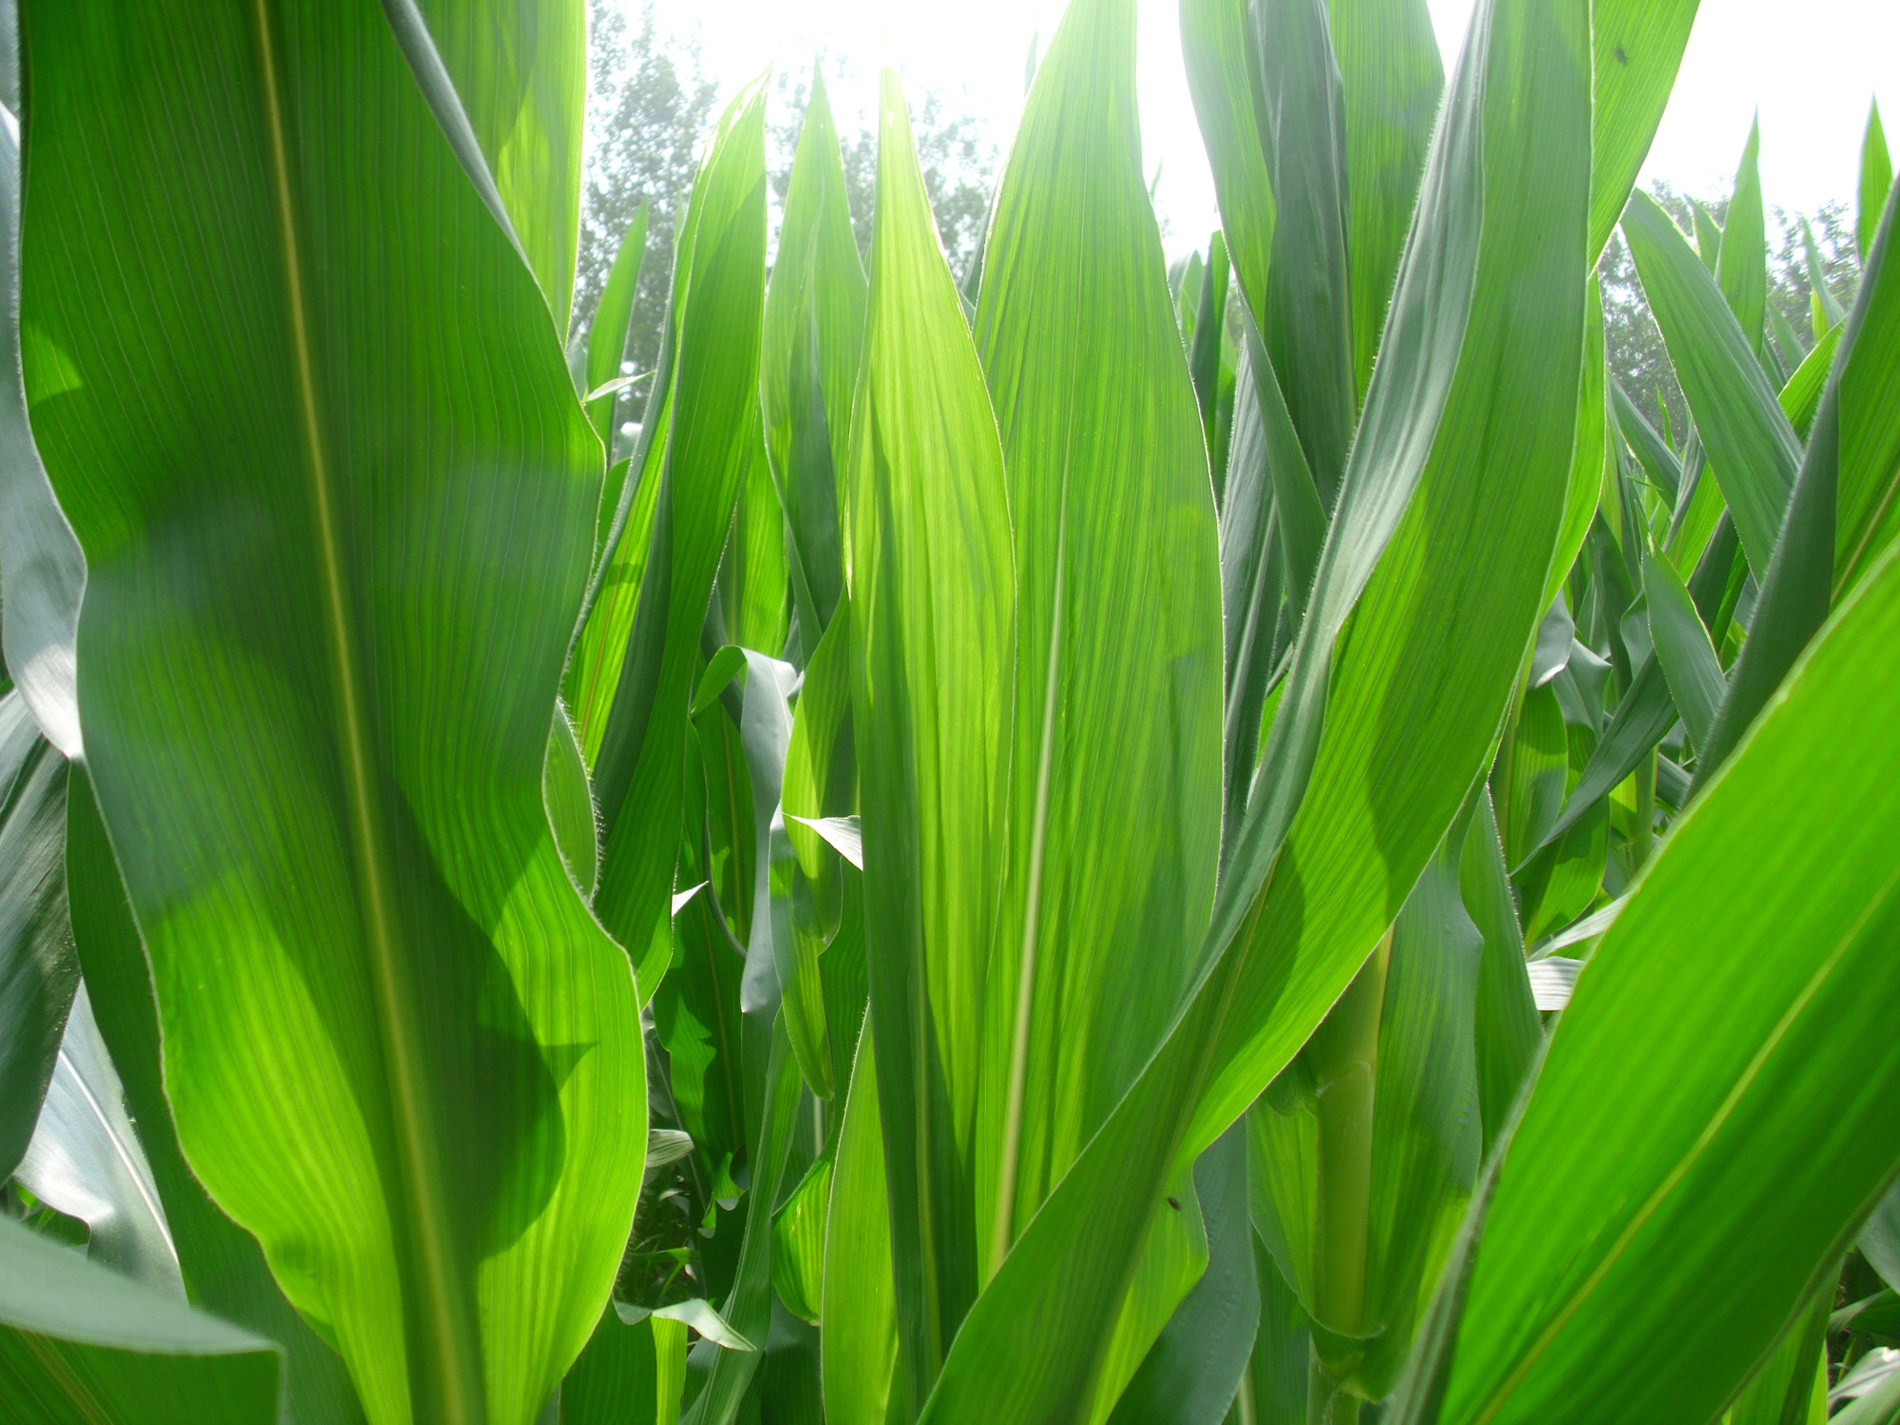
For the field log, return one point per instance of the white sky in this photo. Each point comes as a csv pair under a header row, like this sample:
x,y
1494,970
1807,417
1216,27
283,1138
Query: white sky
x,y
1810,65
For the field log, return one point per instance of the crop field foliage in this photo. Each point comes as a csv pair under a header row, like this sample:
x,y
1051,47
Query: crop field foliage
x,y
1070,841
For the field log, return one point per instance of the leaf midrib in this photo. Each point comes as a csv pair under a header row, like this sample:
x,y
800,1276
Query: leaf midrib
x,y
456,1362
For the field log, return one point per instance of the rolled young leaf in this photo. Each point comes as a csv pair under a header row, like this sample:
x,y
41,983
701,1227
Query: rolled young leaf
x,y
317,436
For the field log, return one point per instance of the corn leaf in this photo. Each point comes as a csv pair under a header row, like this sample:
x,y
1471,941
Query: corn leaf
x,y
42,572
1638,48
1742,268
1876,177
315,430
814,334
1688,660
223,1268
607,334
859,1342
712,438
1800,585
1217,44
1462,355
1751,1131
37,971
1308,320
1114,820
85,1160
1753,449
1391,77
78,1343
705,382
520,71
932,598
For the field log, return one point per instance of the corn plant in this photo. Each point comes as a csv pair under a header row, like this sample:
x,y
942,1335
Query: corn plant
x,y
1068,842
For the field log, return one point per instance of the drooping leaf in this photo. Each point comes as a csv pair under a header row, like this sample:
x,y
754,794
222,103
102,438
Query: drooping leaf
x,y
80,1345
37,971
1682,646
1754,1055
42,571
317,436
85,1160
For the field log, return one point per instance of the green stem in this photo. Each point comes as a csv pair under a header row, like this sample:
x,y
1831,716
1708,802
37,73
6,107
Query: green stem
x,y
1344,1055
1645,779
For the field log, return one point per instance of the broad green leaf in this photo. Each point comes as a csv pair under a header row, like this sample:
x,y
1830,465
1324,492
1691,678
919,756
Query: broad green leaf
x,y
1876,177
1638,46
705,383
814,334
1223,73
1831,497
1391,78
85,1160
1730,1034
859,1343
712,439
322,652
932,602
1307,322
1742,271
80,1345
1114,820
607,334
37,971
520,70
223,1267
1753,449
1472,407
1299,517
1682,646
